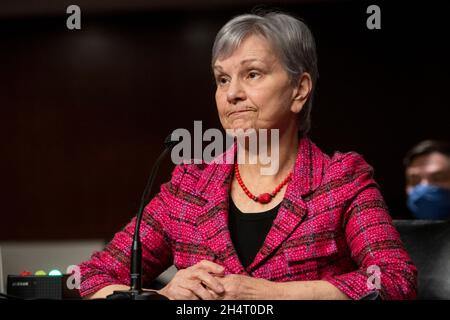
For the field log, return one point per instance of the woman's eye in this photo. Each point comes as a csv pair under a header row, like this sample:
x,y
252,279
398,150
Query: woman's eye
x,y
222,80
253,75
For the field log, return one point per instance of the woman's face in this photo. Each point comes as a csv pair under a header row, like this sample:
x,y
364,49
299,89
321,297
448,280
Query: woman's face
x,y
253,89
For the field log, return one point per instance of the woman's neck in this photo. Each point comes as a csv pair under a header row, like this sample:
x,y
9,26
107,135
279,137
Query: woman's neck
x,y
258,183
286,155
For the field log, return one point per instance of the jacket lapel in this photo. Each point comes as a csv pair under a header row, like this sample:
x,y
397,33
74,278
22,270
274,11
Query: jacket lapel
x,y
306,178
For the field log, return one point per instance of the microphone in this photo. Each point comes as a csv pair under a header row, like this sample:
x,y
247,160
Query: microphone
x,y
135,292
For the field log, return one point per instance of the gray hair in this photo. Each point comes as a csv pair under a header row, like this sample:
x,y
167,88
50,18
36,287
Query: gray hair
x,y
291,39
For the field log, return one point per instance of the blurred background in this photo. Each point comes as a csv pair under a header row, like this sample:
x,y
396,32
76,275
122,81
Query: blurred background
x,y
83,113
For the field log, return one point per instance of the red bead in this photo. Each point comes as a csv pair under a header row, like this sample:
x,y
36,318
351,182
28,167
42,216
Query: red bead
x,y
264,198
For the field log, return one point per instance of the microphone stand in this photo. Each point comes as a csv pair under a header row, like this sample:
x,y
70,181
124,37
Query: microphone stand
x,y
135,292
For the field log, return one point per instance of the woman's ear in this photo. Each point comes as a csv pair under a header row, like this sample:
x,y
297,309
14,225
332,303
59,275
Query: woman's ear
x,y
301,92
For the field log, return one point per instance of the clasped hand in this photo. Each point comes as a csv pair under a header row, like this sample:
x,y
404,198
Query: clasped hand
x,y
206,281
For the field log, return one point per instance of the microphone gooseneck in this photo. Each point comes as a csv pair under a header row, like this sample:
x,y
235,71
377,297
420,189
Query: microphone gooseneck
x,y
135,292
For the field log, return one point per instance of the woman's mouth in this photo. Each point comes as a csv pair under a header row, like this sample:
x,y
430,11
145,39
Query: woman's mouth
x,y
239,113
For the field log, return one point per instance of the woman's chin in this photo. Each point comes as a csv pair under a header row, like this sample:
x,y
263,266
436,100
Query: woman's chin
x,y
241,125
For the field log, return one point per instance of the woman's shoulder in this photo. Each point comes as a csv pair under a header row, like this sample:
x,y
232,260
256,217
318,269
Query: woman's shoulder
x,y
347,165
197,172
188,175
325,166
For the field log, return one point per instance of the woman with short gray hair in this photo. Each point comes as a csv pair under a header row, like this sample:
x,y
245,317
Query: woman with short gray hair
x,y
290,37
318,228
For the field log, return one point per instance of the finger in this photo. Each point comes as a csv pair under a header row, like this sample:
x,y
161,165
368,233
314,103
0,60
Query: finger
x,y
210,266
203,293
198,290
210,281
215,295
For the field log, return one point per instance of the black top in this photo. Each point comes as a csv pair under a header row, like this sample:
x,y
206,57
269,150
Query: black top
x,y
249,230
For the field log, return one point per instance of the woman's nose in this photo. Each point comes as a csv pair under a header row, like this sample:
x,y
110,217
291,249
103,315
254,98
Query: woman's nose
x,y
235,92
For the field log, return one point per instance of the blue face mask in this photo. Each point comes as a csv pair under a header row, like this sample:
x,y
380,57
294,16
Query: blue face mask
x,y
429,202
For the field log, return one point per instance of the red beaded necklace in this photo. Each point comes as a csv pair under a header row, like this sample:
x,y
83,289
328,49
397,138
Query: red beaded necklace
x,y
264,197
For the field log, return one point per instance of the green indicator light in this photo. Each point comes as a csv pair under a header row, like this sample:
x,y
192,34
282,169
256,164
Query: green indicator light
x,y
55,272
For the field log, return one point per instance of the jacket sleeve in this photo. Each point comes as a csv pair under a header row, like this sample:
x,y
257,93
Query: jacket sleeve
x,y
112,264
384,268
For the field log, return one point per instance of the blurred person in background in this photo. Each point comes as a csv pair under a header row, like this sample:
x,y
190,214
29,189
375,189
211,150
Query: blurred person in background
x,y
427,169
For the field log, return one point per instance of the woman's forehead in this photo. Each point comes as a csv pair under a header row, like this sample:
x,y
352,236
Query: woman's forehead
x,y
252,49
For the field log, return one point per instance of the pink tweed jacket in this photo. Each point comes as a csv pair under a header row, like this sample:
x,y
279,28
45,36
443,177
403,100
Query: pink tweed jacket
x,y
333,225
